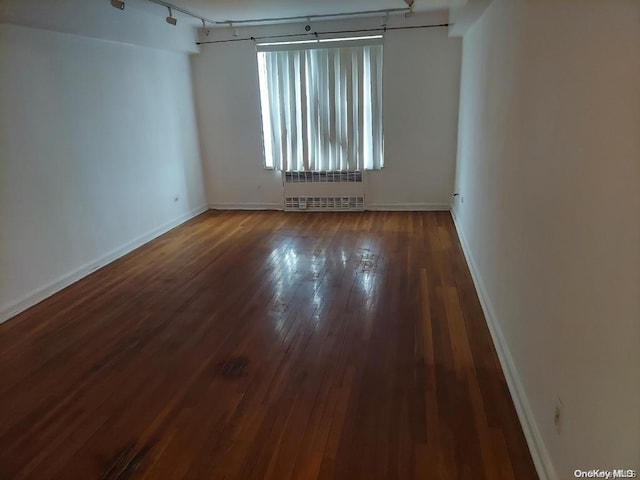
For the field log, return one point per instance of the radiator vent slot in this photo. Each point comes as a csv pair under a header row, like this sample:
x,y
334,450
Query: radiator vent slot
x,y
323,177
324,203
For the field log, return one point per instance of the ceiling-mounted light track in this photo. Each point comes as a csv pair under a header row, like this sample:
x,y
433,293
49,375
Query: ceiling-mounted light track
x,y
332,33
117,4
364,13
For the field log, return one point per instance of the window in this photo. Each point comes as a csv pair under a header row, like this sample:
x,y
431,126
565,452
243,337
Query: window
x,y
322,104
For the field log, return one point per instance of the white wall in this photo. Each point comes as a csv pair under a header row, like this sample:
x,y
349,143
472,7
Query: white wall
x,y
421,87
97,138
140,23
225,81
549,169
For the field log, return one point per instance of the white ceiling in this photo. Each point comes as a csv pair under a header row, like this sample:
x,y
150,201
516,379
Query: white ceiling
x,y
224,10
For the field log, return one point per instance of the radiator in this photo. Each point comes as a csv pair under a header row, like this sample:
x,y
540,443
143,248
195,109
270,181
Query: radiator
x,y
324,191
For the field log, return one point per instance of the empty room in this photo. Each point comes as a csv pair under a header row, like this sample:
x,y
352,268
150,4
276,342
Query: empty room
x,y
318,239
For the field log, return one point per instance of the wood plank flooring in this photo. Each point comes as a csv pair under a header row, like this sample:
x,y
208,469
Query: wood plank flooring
x,y
264,345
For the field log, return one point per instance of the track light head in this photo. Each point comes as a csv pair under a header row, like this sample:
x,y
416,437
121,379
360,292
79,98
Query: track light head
x,y
117,4
170,19
204,28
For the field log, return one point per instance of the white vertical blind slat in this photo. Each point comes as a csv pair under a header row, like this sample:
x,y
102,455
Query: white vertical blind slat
x,y
351,129
333,112
357,106
367,134
376,87
324,158
285,106
296,136
311,110
274,110
303,147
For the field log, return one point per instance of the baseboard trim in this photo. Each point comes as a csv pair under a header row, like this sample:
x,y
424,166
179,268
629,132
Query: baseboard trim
x,y
11,310
246,206
407,207
374,207
539,453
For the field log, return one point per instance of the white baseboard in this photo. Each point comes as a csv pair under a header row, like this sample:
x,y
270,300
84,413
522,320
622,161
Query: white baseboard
x,y
40,294
246,206
375,207
407,207
539,453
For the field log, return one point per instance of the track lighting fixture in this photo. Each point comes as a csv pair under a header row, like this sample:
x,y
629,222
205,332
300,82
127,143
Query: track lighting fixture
x,y
234,31
117,4
204,28
170,19
410,4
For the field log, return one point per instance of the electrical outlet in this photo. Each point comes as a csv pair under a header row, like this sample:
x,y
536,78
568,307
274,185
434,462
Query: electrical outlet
x,y
558,417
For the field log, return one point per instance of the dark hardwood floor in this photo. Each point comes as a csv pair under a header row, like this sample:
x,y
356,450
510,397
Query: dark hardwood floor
x,y
264,346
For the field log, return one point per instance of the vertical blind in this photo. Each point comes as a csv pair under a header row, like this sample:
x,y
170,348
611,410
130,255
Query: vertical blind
x,y
322,106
